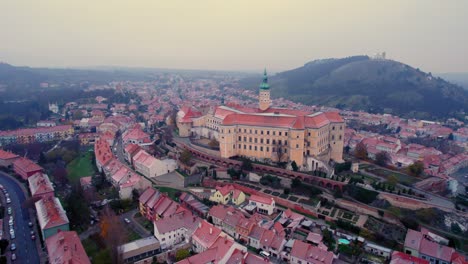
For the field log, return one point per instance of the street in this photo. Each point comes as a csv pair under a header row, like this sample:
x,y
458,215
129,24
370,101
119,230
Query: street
x,y
26,251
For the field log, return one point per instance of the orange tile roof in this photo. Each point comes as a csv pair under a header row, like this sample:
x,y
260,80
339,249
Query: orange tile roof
x,y
65,247
4,155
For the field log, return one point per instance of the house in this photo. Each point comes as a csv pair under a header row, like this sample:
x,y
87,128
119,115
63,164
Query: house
x,y
302,253
238,197
205,236
26,168
422,244
255,236
176,228
262,204
220,252
40,185
131,150
217,213
140,250
222,194
377,250
136,135
7,158
194,205
149,166
65,247
51,216
243,228
272,242
155,205
402,258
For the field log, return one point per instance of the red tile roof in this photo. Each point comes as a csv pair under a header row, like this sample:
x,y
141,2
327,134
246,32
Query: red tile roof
x,y
50,213
310,253
402,258
26,165
261,199
5,155
220,211
206,234
184,219
39,183
65,248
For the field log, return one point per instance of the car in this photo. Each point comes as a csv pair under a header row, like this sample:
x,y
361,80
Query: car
x,y
12,231
31,233
33,237
30,224
9,210
12,235
13,247
265,254
13,256
8,201
11,221
127,221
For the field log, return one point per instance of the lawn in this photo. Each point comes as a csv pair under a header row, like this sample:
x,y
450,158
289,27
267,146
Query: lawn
x,y
81,167
171,192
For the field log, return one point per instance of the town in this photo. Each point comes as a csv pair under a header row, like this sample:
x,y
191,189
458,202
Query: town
x,y
187,169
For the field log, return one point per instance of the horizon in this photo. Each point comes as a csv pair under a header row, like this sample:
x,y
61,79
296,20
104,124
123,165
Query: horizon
x,y
232,36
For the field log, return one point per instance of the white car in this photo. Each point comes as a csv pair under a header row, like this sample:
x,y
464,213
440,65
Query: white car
x,y
12,234
127,221
8,200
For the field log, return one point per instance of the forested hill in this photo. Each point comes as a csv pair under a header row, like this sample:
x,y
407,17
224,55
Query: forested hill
x,y
374,85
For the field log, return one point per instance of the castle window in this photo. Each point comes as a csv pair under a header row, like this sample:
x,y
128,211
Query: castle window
x,y
234,146
250,140
279,142
255,140
274,142
273,149
255,131
261,132
261,148
250,147
268,132
268,149
341,127
297,145
274,133
333,127
340,137
245,147
309,134
239,146
261,140
245,139
240,130
285,142
268,141
308,152
240,138
280,133
285,133
250,131
255,148
245,130
333,137
229,131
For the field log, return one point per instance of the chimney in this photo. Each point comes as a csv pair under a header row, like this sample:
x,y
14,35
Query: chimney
x,y
199,224
211,230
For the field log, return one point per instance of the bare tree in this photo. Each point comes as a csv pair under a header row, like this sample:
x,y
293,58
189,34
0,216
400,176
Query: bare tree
x,y
112,233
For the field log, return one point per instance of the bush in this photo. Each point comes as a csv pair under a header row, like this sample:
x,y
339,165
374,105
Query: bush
x,y
361,194
340,167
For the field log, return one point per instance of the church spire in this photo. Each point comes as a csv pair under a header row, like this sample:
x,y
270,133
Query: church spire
x,y
264,85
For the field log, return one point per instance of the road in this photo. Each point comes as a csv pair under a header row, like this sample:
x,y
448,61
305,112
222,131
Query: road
x,y
26,250
137,228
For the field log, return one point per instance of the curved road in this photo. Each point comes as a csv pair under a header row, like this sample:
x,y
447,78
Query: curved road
x,y
26,250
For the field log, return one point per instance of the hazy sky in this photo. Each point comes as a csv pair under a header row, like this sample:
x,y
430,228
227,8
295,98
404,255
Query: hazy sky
x,y
232,35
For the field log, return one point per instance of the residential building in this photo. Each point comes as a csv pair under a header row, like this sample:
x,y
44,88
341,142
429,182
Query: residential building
x,y
175,228
378,250
140,250
51,216
402,258
25,168
217,213
151,167
40,185
7,158
155,205
136,135
65,247
220,252
262,204
194,205
205,236
222,194
422,244
302,253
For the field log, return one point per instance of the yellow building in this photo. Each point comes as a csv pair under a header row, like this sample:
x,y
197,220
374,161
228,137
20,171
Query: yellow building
x,y
222,195
270,134
238,197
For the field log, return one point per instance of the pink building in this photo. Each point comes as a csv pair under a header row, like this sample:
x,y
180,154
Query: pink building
x,y
65,248
40,185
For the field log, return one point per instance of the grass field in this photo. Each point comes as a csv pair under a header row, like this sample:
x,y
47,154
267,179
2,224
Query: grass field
x,y
81,167
171,192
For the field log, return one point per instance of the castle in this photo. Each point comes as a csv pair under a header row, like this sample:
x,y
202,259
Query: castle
x,y
267,133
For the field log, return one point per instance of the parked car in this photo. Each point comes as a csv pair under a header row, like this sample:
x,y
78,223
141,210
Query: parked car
x,y
13,247
8,201
9,210
33,237
30,224
13,256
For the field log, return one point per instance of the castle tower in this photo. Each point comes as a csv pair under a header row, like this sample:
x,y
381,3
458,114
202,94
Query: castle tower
x,y
264,95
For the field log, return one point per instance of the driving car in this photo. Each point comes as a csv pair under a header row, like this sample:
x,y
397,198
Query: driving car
x,y
127,221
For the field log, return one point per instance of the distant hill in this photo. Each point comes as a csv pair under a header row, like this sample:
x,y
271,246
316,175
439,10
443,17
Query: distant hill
x,y
361,83
460,78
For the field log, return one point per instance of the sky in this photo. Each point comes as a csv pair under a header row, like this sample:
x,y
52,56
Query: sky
x,y
241,35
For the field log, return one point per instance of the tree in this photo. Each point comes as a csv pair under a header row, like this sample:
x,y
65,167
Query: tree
x,y
392,180
296,182
77,209
3,245
456,229
42,159
286,191
185,157
3,260
360,151
111,232
246,164
416,169
77,115
382,158
60,176
294,166
182,254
